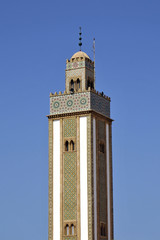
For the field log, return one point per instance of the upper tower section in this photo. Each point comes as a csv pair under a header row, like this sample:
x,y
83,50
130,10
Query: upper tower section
x,y
80,95
79,73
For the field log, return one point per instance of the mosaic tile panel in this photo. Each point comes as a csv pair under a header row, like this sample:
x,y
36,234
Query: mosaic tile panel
x,y
74,73
101,130
70,238
72,65
69,127
79,64
103,193
70,186
89,73
102,175
69,103
100,104
78,102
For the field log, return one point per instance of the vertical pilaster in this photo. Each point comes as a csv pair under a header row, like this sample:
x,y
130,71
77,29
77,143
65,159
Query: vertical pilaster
x,y
50,180
83,179
78,180
56,180
111,184
61,179
106,183
89,177
98,183
109,180
95,178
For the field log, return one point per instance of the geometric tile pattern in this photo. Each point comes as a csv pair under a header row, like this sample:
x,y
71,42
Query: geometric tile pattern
x,y
103,194
70,238
102,175
70,186
101,130
73,65
69,127
69,103
100,104
77,102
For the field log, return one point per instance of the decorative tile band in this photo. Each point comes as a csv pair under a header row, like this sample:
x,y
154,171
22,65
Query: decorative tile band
x,y
70,238
79,64
78,102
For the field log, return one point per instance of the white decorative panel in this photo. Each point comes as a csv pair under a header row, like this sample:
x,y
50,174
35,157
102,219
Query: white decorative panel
x,y
83,179
56,180
108,180
95,179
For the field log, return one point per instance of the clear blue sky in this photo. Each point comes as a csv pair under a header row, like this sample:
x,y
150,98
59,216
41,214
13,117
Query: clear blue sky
x,y
36,37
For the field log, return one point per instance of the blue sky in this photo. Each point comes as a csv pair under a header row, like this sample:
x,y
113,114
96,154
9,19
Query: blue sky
x,y
36,37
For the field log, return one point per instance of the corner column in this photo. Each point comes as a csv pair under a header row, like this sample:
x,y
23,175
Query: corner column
x,y
50,180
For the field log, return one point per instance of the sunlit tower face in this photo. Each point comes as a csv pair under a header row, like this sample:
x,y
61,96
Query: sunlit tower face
x,y
80,157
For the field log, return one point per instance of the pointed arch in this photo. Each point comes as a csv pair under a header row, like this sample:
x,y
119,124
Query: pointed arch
x,y
92,85
78,83
72,146
101,230
88,83
72,229
72,83
67,229
66,146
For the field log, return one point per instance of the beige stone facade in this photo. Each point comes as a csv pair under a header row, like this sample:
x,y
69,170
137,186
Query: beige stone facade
x,y
98,151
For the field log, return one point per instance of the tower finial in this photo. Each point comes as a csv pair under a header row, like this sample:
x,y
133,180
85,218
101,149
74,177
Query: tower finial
x,y
94,49
80,38
94,58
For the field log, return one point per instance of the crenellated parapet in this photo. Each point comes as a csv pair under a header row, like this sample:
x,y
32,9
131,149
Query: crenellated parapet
x,y
79,101
78,62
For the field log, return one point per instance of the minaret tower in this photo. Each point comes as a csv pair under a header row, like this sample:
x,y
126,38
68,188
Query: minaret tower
x,y
80,157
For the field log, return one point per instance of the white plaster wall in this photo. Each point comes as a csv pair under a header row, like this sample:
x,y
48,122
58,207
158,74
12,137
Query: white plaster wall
x,y
83,179
108,180
95,178
56,180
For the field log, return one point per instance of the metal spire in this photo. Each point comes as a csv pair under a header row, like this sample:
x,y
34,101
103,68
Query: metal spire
x,y
94,49
80,38
94,58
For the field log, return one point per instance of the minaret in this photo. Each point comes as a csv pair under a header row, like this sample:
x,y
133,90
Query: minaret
x,y
80,157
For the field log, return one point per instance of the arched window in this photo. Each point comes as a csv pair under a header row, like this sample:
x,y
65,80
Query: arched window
x,y
88,84
72,229
78,83
66,146
101,230
72,84
67,229
101,147
92,87
72,145
104,230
